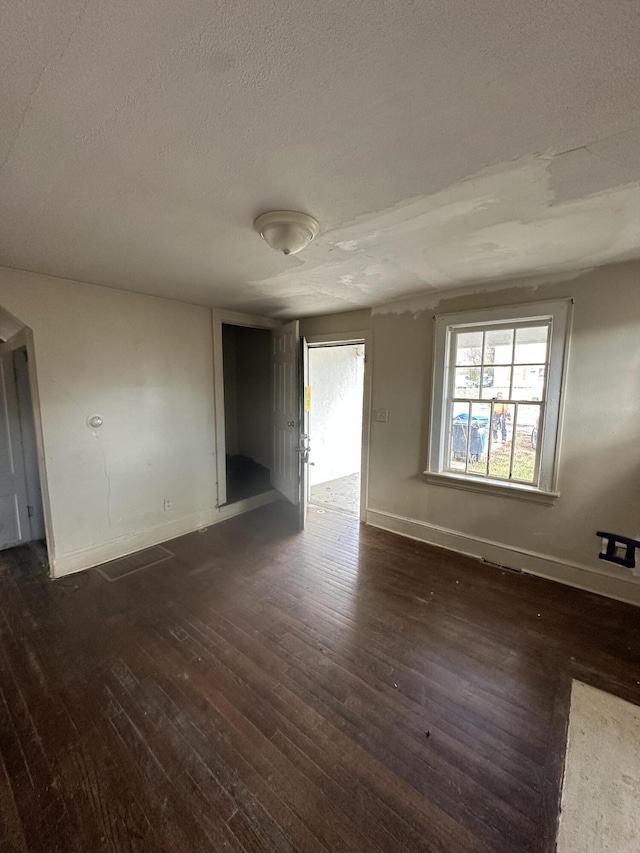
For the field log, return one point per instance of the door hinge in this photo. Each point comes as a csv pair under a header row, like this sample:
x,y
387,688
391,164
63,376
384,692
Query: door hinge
x,y
29,511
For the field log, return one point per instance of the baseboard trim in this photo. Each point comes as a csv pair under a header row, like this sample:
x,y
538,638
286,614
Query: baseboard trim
x,y
87,558
542,565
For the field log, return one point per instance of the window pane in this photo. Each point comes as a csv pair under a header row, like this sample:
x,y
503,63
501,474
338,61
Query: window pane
x,y
500,444
488,377
531,345
496,380
524,456
498,346
528,381
468,348
458,436
467,382
479,438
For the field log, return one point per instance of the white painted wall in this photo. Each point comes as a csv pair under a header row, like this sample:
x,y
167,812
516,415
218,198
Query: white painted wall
x,y
145,365
334,324
336,376
599,475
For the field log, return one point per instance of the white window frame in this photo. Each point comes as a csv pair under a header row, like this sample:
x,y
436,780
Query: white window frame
x,y
559,313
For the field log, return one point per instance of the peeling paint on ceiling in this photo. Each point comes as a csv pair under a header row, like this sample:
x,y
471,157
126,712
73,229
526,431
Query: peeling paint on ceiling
x,y
500,224
503,223
417,303
440,145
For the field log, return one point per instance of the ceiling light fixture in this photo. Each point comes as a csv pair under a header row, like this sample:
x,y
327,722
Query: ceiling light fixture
x,y
287,231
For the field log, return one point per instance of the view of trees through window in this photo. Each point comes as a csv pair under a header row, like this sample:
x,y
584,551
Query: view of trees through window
x,y
497,386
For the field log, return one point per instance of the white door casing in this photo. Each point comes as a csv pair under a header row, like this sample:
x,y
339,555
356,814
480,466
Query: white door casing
x,y
285,356
14,515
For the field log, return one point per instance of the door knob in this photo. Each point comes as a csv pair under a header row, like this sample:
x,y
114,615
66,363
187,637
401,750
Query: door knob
x,y
291,423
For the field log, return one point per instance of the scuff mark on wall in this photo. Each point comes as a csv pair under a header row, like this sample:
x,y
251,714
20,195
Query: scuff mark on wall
x,y
107,477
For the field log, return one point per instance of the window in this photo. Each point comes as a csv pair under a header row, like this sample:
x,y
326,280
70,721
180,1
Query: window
x,y
497,384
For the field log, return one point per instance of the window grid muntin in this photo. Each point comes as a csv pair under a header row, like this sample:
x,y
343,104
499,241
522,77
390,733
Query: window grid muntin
x,y
513,325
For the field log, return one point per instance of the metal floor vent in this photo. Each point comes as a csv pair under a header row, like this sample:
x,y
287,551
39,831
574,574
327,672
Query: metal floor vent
x,y
125,566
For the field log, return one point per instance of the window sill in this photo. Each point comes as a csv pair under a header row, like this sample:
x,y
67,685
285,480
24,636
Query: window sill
x,y
493,487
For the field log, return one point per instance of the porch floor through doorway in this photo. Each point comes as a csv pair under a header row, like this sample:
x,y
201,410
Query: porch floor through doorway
x,y
342,494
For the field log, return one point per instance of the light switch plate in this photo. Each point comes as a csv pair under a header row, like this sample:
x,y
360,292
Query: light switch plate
x,y
382,416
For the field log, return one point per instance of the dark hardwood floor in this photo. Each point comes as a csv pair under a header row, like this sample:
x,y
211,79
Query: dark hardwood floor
x,y
342,689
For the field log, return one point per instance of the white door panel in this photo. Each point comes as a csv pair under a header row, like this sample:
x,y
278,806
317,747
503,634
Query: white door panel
x,y
285,473
14,516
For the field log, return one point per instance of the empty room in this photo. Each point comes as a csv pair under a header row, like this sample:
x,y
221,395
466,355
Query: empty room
x,y
320,427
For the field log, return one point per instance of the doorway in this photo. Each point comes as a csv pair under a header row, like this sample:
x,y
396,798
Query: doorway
x,y
336,380
276,404
246,356
21,509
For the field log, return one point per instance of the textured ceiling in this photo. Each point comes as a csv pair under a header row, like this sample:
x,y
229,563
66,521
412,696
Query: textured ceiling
x,y
438,143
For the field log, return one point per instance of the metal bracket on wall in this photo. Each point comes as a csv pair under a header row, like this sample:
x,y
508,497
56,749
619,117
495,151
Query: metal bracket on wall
x,y
618,549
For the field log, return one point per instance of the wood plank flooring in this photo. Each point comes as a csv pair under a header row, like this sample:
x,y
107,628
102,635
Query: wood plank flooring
x,y
340,689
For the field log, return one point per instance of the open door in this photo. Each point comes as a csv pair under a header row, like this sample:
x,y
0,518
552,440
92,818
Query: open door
x,y
285,356
290,417
14,514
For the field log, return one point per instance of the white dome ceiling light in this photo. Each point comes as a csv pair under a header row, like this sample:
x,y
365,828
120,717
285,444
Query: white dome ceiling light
x,y
287,231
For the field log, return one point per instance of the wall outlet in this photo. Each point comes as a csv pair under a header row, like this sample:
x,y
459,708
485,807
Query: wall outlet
x,y
167,505
382,416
